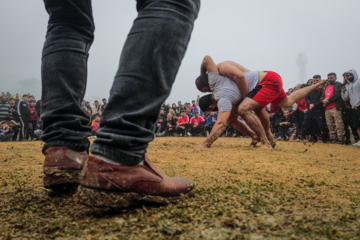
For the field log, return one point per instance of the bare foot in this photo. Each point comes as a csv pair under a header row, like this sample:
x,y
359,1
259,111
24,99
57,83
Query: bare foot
x,y
254,140
265,146
253,143
271,139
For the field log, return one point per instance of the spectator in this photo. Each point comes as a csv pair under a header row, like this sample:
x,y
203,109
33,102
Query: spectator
x,y
159,127
287,126
210,121
182,123
95,108
334,105
6,132
162,113
16,96
83,105
351,92
180,106
31,97
15,118
87,105
5,112
302,109
104,100
95,124
193,105
173,110
348,118
24,116
314,119
33,118
196,126
165,107
89,113
188,112
8,96
170,123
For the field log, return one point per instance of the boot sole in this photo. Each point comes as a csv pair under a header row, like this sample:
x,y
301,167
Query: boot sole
x,y
62,181
99,198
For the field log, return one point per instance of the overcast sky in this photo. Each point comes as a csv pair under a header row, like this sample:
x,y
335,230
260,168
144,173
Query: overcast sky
x,y
259,34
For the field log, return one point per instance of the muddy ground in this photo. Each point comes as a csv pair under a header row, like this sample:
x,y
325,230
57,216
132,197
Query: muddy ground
x,y
297,191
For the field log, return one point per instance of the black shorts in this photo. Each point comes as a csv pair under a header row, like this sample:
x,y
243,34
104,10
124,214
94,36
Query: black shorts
x,y
356,117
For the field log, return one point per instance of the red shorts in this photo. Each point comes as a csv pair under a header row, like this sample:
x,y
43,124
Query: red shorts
x,y
270,90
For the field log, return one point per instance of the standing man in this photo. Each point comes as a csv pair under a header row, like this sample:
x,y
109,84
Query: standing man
x,y
314,120
15,118
95,107
334,106
5,112
351,92
24,114
118,172
104,103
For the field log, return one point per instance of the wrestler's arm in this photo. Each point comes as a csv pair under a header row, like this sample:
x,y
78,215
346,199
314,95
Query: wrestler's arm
x,y
238,66
234,72
208,65
218,128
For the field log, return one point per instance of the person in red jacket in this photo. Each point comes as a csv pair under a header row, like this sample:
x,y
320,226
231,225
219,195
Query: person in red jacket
x,y
196,124
33,119
182,123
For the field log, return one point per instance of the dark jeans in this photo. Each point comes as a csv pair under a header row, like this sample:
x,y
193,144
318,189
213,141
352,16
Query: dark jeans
x,y
150,59
348,117
315,124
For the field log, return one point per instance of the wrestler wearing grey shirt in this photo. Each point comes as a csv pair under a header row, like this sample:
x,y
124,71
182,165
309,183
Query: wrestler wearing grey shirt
x,y
226,91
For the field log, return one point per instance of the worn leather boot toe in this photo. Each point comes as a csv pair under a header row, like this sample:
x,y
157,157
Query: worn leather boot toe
x,y
108,185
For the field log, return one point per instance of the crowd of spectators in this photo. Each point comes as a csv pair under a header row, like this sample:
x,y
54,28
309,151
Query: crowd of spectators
x,y
19,117
327,116
332,116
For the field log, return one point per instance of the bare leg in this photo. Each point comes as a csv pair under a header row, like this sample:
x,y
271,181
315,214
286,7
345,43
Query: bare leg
x,y
243,128
240,126
252,120
301,93
265,121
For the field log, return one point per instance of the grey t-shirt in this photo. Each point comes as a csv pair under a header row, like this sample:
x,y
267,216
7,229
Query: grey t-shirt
x,y
226,91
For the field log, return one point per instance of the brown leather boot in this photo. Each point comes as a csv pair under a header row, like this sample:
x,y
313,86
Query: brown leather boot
x,y
108,185
62,167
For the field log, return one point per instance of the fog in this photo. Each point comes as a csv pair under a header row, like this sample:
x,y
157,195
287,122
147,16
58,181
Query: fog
x,y
259,34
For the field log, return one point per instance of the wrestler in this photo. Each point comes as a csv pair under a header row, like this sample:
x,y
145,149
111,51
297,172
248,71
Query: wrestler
x,y
268,90
229,85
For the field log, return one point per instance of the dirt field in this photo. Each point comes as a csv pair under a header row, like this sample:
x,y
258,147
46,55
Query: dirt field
x,y
297,191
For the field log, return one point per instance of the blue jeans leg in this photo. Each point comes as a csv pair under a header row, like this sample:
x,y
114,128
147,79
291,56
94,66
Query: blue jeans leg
x,y
148,65
64,72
